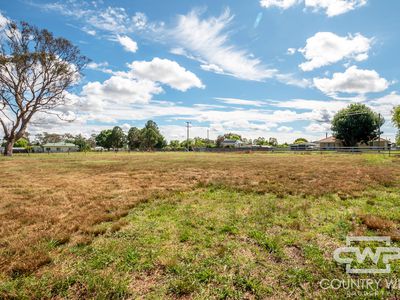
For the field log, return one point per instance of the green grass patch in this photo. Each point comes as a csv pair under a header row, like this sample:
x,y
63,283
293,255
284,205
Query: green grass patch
x,y
213,243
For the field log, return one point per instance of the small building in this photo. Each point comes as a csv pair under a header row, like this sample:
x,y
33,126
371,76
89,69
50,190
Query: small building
x,y
380,143
330,143
98,149
303,146
231,143
60,147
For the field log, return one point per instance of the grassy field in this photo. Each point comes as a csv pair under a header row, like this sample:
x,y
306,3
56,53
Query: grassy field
x,y
189,225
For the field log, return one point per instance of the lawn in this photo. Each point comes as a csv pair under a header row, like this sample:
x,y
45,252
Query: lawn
x,y
189,225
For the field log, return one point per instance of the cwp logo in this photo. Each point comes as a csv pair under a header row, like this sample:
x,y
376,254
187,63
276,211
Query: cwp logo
x,y
384,252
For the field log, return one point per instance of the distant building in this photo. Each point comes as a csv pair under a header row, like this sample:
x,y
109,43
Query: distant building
x,y
329,143
60,147
231,143
381,143
303,146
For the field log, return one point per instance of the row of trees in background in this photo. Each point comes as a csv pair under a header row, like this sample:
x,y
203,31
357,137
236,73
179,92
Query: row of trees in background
x,y
147,138
353,124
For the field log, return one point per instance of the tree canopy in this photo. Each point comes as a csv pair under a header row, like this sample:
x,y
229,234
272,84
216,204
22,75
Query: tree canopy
x,y
117,138
134,138
151,136
300,141
396,122
356,123
103,139
21,143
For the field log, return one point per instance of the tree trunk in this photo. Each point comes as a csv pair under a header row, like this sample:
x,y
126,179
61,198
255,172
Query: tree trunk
x,y
8,151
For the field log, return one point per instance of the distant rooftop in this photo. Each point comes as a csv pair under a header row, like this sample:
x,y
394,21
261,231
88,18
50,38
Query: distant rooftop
x,y
330,139
228,141
61,144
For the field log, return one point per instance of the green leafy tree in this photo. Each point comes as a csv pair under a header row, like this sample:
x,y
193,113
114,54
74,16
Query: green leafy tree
x,y
396,122
134,138
273,141
21,143
82,143
103,139
175,145
300,141
152,137
117,138
187,144
233,136
260,141
356,123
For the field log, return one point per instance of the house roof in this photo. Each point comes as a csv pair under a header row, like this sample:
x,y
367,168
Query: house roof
x,y
227,141
380,140
61,144
330,139
303,144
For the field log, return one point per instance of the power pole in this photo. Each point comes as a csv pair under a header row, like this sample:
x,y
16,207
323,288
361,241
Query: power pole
x,y
187,134
208,134
379,138
379,133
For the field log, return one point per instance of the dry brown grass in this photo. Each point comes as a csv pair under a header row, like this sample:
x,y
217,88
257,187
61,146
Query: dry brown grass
x,y
377,223
52,200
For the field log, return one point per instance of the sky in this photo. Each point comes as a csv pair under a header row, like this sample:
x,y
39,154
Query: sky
x,y
269,68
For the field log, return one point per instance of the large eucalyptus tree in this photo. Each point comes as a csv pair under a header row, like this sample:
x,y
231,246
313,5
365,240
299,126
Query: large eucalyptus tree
x,y
36,70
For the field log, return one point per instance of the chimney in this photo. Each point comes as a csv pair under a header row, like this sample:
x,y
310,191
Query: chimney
x,y
326,134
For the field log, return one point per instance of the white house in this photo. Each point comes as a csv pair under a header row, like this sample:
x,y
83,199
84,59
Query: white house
x,y
231,143
60,147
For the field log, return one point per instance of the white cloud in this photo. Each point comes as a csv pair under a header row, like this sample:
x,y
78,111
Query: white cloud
x,y
3,21
91,32
330,7
283,4
311,104
290,79
212,68
167,72
139,20
128,44
334,7
392,99
326,48
137,86
117,91
315,127
352,81
385,105
291,51
114,20
236,101
102,67
284,129
207,40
